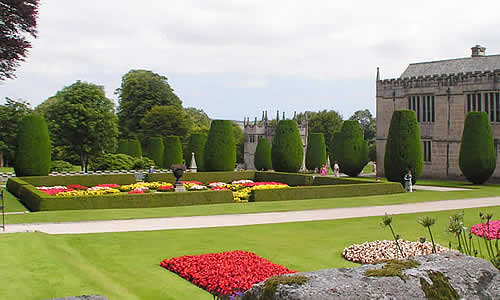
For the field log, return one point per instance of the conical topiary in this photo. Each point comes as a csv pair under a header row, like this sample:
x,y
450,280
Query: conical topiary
x,y
134,148
154,149
352,150
316,151
477,150
220,148
33,147
333,148
262,158
287,152
403,150
173,151
122,147
196,145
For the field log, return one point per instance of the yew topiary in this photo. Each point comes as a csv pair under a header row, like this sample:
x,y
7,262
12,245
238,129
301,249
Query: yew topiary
x,y
403,150
287,152
33,147
122,147
220,148
333,148
316,151
196,145
134,148
262,158
352,151
173,151
477,159
154,149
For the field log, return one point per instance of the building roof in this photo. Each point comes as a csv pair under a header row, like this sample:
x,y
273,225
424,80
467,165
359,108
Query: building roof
x,y
452,66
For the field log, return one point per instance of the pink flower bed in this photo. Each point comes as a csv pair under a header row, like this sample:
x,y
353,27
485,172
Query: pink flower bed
x,y
493,233
263,183
54,190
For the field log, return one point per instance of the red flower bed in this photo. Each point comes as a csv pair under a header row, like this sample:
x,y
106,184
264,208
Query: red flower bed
x,y
263,183
136,192
493,233
218,188
52,191
77,187
193,182
109,185
165,188
224,274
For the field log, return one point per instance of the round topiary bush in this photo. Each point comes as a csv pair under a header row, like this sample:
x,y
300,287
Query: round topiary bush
x,y
333,148
196,145
316,151
122,147
173,151
60,166
154,149
403,150
352,151
262,158
477,159
287,152
134,148
33,147
220,148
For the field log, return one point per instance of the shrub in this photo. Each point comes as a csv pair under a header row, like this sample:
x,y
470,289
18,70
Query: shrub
x,y
403,150
352,151
33,147
220,148
287,152
134,148
316,151
477,159
333,149
154,149
196,145
61,166
173,151
262,158
112,162
372,152
143,163
122,147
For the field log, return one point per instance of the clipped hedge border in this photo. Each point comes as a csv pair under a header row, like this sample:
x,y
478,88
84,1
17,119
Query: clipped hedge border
x,y
86,180
204,177
319,192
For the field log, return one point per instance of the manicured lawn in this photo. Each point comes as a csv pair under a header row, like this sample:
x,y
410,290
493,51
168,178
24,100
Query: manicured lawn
x,y
6,170
126,265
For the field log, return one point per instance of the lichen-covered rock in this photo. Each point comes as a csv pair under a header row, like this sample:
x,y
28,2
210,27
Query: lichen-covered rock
x,y
470,277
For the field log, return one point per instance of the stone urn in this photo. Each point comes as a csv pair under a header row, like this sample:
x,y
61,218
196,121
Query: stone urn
x,y
178,170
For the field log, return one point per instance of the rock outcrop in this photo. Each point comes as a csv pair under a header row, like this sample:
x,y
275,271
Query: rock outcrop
x,y
450,272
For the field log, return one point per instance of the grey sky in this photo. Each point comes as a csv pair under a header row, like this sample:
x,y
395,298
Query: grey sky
x,y
234,58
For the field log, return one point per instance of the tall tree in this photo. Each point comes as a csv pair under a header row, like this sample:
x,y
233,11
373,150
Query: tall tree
x,y
287,151
17,22
11,114
220,154
84,119
200,120
139,92
326,122
367,123
165,121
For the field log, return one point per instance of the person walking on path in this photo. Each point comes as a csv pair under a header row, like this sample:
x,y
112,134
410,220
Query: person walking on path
x,y
336,169
408,186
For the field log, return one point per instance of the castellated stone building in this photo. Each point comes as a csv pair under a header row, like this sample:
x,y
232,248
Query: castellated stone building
x,y
441,93
264,129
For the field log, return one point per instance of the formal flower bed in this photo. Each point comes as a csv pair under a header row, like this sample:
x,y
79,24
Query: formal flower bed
x,y
241,189
377,251
226,273
492,230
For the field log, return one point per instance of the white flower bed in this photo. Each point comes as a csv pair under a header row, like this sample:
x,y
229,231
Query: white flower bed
x,y
376,251
242,181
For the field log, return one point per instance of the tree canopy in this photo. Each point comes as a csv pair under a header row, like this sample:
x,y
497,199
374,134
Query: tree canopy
x,y
11,114
200,120
140,91
17,22
367,123
165,121
83,119
326,122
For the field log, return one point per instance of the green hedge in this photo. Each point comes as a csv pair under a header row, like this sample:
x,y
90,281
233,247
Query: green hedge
x,y
172,151
36,202
323,180
154,149
196,144
204,177
320,192
292,179
14,185
287,150
220,148
122,147
86,180
134,148
316,151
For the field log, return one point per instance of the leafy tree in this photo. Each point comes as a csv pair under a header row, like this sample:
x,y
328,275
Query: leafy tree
x,y
287,151
316,151
140,91
352,151
33,147
477,159
403,150
83,119
262,158
11,114
173,151
166,120
18,21
367,123
326,122
196,145
110,161
220,149
239,139
200,120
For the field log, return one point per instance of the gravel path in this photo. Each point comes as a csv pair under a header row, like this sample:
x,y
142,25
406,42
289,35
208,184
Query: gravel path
x,y
247,219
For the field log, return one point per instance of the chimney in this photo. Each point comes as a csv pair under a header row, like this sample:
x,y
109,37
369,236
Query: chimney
x,y
478,51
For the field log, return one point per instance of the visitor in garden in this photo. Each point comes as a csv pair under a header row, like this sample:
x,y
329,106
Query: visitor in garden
x,y
323,170
152,169
336,169
408,186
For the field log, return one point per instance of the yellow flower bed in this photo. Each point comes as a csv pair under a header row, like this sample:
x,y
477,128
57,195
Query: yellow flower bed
x,y
150,185
88,193
244,194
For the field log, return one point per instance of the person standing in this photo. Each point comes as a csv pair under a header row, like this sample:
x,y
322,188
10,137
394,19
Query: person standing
x,y
408,178
336,169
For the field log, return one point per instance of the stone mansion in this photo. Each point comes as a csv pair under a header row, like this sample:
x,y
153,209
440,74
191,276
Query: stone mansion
x,y
441,93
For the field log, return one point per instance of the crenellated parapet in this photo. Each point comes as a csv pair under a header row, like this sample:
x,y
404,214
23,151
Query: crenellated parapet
x,y
441,80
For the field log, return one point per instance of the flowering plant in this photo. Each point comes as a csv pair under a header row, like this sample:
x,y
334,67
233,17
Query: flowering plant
x,y
492,230
76,187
